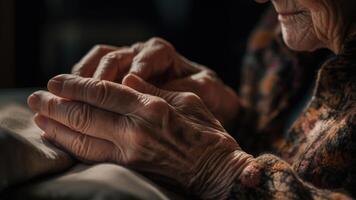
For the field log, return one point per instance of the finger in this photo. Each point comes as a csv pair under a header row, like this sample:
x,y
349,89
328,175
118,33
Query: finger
x,y
75,115
106,95
187,84
82,146
168,91
137,83
202,84
154,59
87,65
114,65
174,99
199,82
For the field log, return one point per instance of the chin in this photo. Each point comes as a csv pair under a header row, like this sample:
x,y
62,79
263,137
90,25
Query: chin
x,y
301,40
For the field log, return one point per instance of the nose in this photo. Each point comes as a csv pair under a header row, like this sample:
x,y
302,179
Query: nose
x,y
262,1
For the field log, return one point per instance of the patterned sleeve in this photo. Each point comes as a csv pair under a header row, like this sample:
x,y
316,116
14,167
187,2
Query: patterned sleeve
x,y
272,178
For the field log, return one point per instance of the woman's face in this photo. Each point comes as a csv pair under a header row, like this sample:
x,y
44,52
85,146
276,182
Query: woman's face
x,y
311,24
297,25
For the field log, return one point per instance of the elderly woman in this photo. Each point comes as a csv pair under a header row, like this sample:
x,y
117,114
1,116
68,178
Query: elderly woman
x,y
148,108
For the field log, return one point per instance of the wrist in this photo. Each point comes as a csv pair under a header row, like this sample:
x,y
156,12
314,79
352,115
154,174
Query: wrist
x,y
215,178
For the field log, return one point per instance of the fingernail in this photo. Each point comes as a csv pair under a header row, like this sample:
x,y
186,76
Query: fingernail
x,y
131,80
55,86
34,101
41,122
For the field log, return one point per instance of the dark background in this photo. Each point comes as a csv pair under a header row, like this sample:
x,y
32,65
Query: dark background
x,y
42,38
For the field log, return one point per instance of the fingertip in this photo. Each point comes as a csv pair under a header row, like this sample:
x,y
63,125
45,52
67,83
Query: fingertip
x,y
132,80
33,101
64,84
137,83
62,77
55,84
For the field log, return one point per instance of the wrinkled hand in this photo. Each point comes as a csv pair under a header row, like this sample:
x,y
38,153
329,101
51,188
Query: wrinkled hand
x,y
157,62
171,134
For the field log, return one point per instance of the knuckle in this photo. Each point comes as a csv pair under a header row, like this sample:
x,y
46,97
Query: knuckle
x,y
157,103
205,84
79,117
157,106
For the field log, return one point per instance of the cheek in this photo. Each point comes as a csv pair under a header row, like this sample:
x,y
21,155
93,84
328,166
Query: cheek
x,y
299,35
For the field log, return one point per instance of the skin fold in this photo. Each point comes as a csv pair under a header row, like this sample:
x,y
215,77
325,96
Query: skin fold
x,y
317,24
148,108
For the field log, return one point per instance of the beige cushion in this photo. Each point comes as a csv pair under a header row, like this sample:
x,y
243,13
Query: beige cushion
x,y
99,182
23,154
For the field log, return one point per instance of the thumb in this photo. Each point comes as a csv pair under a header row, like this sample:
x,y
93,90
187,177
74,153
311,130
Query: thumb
x,y
135,82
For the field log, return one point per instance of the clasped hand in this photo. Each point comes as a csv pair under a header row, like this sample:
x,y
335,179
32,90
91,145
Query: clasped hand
x,y
135,124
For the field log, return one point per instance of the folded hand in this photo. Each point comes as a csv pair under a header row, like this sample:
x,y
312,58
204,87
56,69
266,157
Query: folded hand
x,y
157,62
135,124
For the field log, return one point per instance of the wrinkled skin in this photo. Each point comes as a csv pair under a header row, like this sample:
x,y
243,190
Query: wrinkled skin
x,y
157,62
308,25
163,132
171,134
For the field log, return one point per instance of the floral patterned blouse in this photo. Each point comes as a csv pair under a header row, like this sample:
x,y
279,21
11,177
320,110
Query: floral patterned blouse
x,y
308,126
